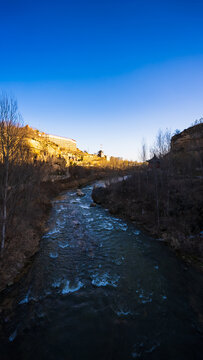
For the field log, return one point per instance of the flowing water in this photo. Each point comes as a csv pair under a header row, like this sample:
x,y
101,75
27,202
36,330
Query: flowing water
x,y
100,289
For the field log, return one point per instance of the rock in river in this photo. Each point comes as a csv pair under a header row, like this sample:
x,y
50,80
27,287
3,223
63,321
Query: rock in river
x,y
80,193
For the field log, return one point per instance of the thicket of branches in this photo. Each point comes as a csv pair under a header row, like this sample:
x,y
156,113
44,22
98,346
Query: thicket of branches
x,y
19,178
160,147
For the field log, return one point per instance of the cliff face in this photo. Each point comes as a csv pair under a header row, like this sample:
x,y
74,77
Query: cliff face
x,y
189,140
43,145
56,151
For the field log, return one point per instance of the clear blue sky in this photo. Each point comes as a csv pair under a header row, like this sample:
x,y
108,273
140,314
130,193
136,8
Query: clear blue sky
x,y
107,72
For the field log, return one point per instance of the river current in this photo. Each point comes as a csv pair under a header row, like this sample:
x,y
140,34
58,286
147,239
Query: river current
x,y
100,289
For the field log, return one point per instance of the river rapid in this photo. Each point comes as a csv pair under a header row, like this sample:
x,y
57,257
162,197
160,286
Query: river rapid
x,y
100,289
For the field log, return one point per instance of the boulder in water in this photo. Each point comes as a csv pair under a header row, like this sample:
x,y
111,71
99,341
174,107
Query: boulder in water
x,y
80,193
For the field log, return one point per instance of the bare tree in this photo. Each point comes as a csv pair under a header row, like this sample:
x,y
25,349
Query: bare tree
x,y
143,153
162,143
197,121
11,153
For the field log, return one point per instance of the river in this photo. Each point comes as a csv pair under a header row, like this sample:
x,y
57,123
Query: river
x,y
100,289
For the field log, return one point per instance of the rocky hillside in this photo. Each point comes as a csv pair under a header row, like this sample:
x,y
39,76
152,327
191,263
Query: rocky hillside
x,y
189,140
43,146
187,151
59,155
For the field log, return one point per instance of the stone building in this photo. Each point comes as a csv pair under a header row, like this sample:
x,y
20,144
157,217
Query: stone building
x,y
101,154
154,162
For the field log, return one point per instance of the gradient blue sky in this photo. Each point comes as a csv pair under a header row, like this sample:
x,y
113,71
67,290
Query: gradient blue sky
x,y
105,72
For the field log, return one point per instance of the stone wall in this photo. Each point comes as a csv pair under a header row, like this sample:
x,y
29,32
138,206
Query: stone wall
x,y
63,142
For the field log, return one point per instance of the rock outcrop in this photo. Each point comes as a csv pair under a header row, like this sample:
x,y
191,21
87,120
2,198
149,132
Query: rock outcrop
x,y
189,140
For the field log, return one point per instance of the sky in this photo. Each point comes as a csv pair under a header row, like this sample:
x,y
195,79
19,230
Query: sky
x,y
107,73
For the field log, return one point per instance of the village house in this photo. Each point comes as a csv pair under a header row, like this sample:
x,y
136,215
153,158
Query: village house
x,y
101,154
154,163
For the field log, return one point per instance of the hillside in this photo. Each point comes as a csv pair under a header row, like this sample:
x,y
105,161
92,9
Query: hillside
x,y
57,152
189,140
61,153
187,151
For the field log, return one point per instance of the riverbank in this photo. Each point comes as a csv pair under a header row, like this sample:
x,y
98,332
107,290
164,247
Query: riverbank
x,y
24,244
172,213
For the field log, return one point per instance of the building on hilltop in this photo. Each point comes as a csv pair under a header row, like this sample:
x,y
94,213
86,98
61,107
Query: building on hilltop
x,y
154,162
101,154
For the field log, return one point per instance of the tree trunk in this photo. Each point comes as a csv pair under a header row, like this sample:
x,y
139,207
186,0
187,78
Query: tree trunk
x,y
4,219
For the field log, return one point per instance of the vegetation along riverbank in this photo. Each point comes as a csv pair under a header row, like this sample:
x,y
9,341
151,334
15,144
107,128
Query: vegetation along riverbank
x,y
165,195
